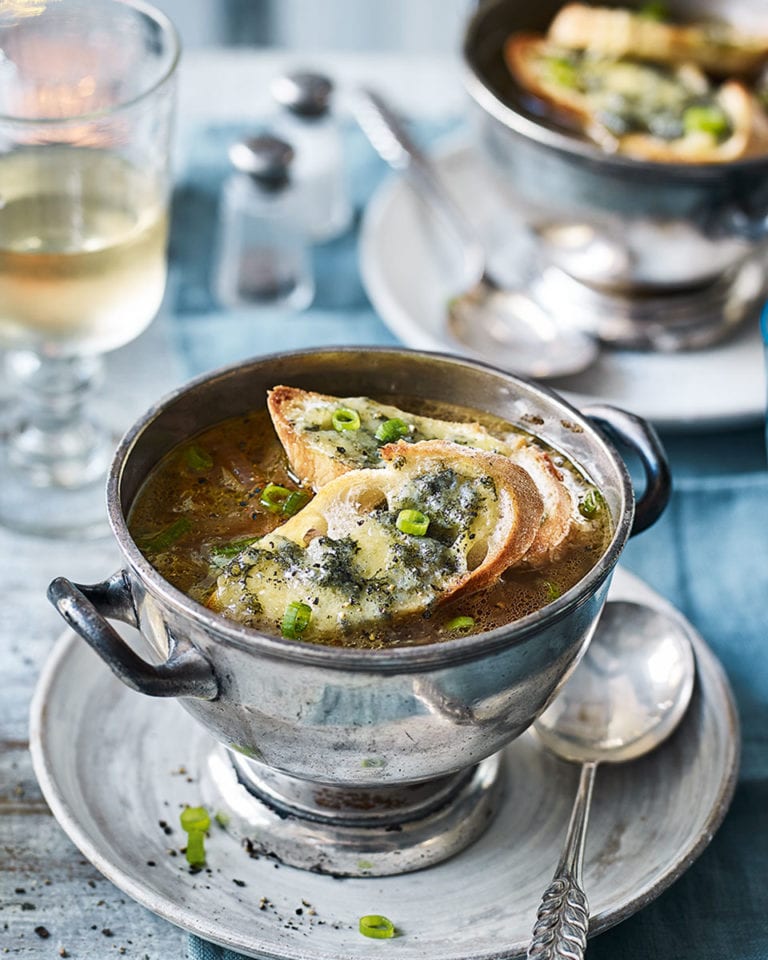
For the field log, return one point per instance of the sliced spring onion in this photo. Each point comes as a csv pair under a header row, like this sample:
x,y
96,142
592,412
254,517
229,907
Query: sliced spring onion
x,y
197,458
705,119
345,419
194,822
294,503
562,72
413,522
166,537
553,590
460,624
222,551
591,504
654,10
296,619
194,818
392,430
376,926
279,499
273,497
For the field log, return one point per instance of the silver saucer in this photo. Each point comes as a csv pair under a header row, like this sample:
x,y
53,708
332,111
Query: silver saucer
x,y
113,764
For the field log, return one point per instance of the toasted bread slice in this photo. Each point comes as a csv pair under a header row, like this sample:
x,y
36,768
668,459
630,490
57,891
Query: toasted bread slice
x,y
351,557
719,48
749,134
572,91
318,453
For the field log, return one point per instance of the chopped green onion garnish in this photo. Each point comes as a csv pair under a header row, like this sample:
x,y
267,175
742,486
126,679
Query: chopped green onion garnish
x,y
222,819
273,497
279,499
195,818
376,926
705,119
194,822
460,624
562,72
591,504
553,591
222,551
197,458
345,419
413,522
392,430
296,619
167,537
654,10
294,503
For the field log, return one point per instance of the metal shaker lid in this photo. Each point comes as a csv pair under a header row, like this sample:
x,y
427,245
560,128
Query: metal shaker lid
x,y
303,93
265,158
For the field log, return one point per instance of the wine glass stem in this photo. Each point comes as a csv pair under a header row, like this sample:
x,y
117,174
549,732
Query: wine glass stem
x,y
53,441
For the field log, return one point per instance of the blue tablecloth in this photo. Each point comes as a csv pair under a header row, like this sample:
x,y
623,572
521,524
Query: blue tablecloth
x,y
708,554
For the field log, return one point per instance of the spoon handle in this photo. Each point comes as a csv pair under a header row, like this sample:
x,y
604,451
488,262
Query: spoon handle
x,y
393,143
562,921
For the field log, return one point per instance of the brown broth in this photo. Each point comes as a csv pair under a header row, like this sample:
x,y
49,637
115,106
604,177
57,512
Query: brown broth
x,y
204,496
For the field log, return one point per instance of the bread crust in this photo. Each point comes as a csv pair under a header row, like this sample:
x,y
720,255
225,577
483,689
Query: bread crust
x,y
308,463
317,468
614,32
520,516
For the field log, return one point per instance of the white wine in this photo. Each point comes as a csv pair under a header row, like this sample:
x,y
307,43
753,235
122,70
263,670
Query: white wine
x,y
82,249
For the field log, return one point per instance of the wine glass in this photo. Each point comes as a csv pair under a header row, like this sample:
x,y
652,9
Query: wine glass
x,y
87,92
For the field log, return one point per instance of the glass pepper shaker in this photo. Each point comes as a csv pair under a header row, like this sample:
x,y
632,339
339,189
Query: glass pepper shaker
x,y
263,255
309,124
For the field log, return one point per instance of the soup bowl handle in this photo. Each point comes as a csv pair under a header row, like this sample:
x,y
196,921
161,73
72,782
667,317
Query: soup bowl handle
x,y
638,435
186,673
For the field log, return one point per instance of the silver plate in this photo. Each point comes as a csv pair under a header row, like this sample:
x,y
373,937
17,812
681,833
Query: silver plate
x,y
112,764
410,268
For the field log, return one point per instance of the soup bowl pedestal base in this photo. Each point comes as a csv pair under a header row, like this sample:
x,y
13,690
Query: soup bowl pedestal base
x,y
350,831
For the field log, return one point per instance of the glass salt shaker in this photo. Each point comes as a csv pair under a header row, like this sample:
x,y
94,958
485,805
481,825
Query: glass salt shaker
x,y
263,254
310,125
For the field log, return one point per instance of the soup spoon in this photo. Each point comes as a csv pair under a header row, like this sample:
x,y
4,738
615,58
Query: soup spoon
x,y
627,695
490,319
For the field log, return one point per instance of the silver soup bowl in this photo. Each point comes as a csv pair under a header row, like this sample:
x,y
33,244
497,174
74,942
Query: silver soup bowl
x,y
308,715
648,254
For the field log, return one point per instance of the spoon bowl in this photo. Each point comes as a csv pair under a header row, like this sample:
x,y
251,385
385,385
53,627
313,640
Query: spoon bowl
x,y
627,695
517,332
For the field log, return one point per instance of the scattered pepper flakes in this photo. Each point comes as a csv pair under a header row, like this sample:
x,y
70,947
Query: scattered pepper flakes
x,y
107,932
42,932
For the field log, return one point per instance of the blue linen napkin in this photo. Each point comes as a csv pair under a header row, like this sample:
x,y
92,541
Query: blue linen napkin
x,y
708,554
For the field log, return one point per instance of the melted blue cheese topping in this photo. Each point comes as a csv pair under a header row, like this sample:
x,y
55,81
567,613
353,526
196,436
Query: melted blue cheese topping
x,y
360,448
627,96
362,572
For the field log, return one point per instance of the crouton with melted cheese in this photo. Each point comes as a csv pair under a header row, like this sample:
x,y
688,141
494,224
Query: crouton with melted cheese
x,y
318,452
435,521
644,88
